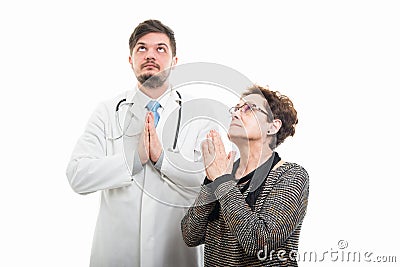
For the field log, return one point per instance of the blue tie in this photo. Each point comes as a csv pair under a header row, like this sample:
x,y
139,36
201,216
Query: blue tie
x,y
153,107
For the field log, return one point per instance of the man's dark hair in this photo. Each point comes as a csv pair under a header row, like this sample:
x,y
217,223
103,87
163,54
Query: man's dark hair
x,y
149,26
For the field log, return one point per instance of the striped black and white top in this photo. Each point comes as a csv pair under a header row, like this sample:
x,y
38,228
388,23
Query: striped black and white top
x,y
266,234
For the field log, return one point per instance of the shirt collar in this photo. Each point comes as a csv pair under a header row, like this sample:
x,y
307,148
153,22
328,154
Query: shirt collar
x,y
260,173
143,99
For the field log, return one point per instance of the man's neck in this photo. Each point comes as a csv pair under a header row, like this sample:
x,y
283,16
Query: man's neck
x,y
154,93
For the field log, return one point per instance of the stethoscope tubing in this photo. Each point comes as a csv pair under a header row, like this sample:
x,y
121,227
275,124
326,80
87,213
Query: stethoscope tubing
x,y
178,125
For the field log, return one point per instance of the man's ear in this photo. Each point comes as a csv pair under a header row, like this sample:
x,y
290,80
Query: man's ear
x,y
174,62
131,62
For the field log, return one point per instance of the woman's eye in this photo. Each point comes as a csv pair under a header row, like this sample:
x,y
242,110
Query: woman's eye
x,y
246,108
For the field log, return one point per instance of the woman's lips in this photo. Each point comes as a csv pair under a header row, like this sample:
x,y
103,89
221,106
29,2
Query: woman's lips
x,y
236,124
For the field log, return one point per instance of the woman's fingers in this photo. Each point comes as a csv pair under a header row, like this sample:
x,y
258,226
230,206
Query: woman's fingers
x,y
231,158
207,158
216,161
218,144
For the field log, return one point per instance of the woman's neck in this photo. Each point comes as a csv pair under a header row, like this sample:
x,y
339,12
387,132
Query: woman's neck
x,y
252,155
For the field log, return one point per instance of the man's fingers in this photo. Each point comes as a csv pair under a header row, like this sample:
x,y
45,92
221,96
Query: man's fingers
x,y
146,123
146,139
143,146
150,116
152,128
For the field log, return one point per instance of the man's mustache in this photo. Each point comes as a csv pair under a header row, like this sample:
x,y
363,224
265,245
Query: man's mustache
x,y
150,63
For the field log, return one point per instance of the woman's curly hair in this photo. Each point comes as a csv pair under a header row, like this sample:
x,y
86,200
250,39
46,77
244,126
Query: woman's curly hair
x,y
281,107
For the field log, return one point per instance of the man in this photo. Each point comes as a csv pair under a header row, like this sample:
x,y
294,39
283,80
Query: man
x,y
121,154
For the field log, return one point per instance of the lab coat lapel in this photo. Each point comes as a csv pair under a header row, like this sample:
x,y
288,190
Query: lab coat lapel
x,y
171,109
135,116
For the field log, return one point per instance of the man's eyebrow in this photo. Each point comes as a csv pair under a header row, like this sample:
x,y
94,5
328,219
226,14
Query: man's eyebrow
x,y
163,44
159,44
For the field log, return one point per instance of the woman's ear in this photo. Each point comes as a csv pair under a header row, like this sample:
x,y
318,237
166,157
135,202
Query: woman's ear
x,y
274,127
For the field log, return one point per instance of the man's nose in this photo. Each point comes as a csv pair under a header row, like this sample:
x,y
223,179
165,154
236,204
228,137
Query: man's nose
x,y
150,54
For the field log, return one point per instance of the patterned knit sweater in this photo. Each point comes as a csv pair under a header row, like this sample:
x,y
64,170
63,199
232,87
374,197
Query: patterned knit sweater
x,y
266,235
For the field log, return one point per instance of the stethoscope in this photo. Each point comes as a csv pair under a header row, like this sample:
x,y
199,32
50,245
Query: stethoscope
x,y
123,102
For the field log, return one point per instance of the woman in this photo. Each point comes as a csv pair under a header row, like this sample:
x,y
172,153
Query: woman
x,y
249,213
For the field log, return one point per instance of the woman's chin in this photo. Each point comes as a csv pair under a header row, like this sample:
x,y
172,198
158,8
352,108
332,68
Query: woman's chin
x,y
236,136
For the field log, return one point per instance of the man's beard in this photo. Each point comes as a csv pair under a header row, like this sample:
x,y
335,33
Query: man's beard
x,y
153,80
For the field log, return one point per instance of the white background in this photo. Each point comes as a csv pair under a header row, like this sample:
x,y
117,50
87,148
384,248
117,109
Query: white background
x,y
339,62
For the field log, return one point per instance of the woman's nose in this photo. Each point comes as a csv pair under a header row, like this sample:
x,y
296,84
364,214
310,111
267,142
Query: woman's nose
x,y
234,114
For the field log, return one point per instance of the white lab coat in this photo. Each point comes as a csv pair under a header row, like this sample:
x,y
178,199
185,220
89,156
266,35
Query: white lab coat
x,y
139,218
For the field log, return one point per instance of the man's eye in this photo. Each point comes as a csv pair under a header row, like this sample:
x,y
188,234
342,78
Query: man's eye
x,y
141,49
161,49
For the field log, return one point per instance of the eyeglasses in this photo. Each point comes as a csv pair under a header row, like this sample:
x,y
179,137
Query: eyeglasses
x,y
246,108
